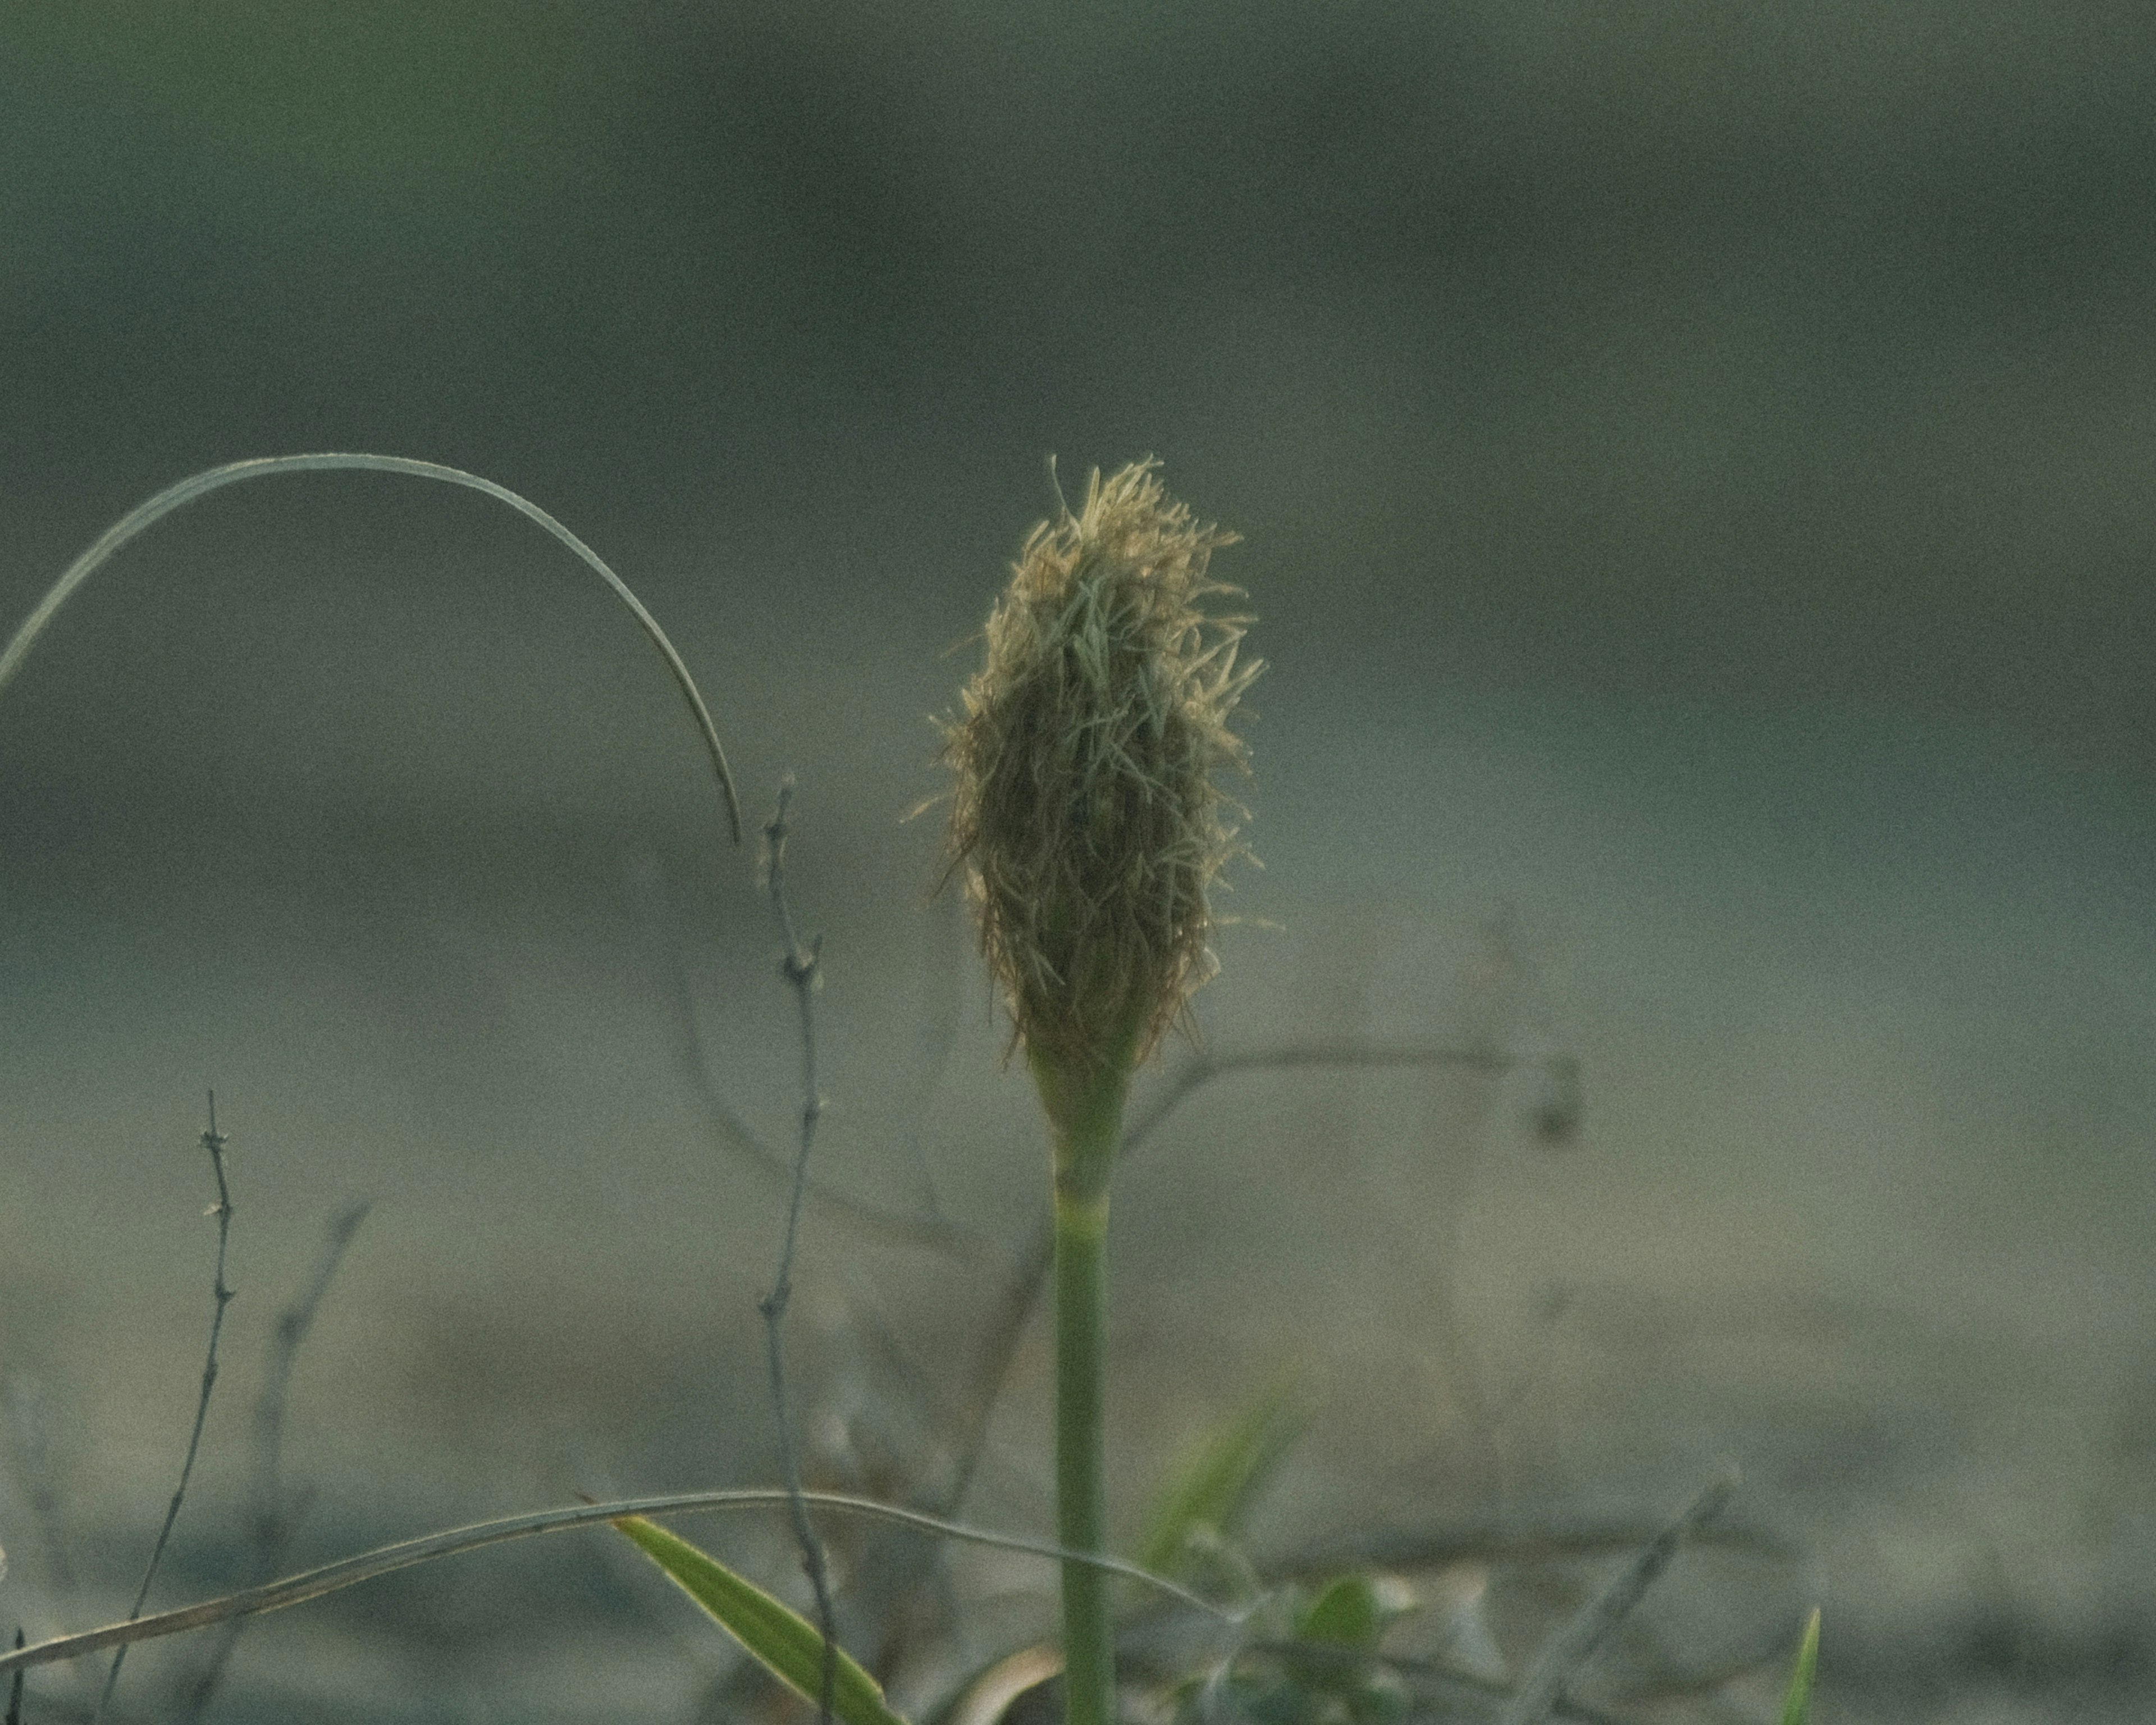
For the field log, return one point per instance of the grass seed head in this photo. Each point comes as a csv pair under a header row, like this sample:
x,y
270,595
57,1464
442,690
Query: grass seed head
x,y
1086,820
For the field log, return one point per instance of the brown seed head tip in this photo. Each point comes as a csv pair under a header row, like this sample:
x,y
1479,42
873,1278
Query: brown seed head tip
x,y
1085,820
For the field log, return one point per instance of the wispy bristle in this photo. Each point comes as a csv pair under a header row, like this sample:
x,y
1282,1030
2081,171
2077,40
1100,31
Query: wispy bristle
x,y
1085,817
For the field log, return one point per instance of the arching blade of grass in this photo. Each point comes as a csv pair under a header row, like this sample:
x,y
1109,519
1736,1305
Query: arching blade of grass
x,y
1214,1493
385,1560
784,1642
1797,1707
173,497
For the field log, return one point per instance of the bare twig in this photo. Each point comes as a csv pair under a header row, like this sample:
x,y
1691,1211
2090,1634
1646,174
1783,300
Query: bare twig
x,y
314,1584
269,1517
1021,1292
214,1142
1576,1643
998,1347
271,1525
962,1245
15,1688
1204,1066
799,966
1434,1253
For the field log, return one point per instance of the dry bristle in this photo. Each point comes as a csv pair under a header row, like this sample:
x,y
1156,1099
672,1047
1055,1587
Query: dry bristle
x,y
1085,818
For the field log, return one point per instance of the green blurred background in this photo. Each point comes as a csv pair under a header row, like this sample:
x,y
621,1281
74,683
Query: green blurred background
x,y
1695,463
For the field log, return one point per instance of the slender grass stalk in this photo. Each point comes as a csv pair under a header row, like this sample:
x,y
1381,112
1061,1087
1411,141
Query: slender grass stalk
x,y
1085,1107
1081,1497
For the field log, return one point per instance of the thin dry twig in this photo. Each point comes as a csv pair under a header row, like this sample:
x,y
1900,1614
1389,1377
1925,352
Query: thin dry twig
x,y
1576,1642
963,1246
348,1572
214,1142
1204,1066
799,966
269,1518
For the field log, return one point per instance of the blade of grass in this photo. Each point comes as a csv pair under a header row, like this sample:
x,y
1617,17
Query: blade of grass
x,y
1797,1706
1216,1492
173,497
348,1572
984,1698
785,1643
1576,1642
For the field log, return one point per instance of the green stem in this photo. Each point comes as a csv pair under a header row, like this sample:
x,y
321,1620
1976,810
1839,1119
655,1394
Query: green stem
x,y
1082,1504
1085,1108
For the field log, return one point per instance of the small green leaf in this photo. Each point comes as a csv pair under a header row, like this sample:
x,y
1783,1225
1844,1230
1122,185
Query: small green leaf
x,y
1350,1615
1215,1493
1347,1614
784,1640
1797,1707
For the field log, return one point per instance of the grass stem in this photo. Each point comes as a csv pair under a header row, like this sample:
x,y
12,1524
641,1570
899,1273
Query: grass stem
x,y
1081,1507
1084,1102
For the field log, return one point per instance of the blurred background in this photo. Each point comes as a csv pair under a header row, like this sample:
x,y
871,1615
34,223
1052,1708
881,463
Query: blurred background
x,y
1694,463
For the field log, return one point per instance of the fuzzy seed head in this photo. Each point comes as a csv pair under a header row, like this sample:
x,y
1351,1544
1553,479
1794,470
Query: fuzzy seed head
x,y
1086,820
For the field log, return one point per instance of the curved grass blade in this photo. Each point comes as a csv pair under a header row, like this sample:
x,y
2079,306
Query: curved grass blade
x,y
1797,1707
785,1643
1540,1691
984,1698
349,1571
173,497
1214,1495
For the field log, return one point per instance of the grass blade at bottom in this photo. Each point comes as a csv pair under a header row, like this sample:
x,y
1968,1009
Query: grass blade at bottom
x,y
784,1642
1796,1708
